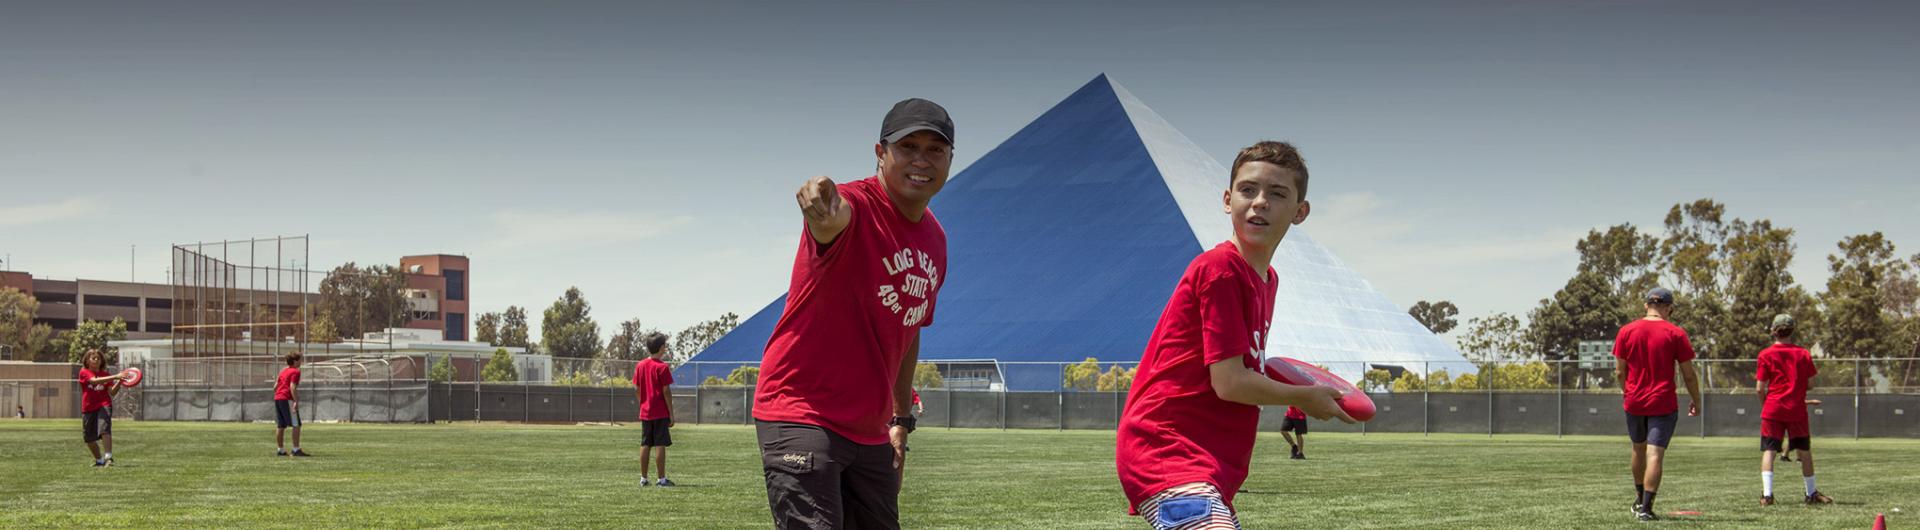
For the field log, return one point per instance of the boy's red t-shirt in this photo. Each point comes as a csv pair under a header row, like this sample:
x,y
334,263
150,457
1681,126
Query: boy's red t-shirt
x,y
1175,430
852,310
1787,370
653,379
1294,413
93,395
1649,348
283,385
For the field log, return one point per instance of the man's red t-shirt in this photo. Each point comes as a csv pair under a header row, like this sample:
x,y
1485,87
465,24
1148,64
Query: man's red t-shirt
x,y
1175,430
1786,369
852,309
1649,348
94,395
1294,413
653,378
283,386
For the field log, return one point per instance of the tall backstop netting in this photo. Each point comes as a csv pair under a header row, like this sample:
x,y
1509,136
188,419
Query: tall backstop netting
x,y
256,291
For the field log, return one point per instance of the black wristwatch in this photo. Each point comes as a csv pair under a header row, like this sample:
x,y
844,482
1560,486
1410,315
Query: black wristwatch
x,y
903,421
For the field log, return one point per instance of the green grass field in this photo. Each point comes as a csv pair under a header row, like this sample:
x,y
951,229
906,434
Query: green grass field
x,y
508,475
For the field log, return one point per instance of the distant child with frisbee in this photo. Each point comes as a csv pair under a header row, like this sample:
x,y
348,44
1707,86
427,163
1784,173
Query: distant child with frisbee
x,y
96,405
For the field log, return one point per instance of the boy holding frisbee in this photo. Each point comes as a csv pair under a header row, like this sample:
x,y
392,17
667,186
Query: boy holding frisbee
x,y
1186,437
96,405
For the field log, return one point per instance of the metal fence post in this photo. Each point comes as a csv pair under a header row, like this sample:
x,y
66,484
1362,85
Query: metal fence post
x,y
699,402
569,402
1856,398
1487,382
1062,398
350,400
1003,410
1560,397
1703,399
1426,400
526,402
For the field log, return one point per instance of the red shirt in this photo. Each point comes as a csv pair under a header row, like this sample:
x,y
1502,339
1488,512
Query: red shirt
x,y
1294,413
1175,430
652,378
852,310
1786,369
94,395
283,386
1649,348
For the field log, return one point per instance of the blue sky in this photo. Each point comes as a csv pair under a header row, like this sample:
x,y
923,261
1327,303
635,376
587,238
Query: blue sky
x,y
648,153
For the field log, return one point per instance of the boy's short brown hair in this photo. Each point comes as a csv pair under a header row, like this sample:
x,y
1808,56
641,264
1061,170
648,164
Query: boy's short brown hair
x,y
1277,153
293,357
655,342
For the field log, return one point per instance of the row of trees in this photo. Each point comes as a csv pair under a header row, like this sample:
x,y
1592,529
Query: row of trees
x,y
1729,276
22,339
569,331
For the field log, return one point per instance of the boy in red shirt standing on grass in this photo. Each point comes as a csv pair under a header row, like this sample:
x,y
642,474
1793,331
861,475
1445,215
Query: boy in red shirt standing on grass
x,y
96,405
1784,373
652,379
286,406
1294,429
1186,437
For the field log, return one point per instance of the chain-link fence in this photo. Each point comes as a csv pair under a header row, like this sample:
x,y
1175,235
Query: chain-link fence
x,y
1858,398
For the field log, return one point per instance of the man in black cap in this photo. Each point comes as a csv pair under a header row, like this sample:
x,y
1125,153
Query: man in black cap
x,y
835,397
1647,351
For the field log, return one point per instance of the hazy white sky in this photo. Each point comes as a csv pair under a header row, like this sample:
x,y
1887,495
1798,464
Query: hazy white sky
x,y
648,153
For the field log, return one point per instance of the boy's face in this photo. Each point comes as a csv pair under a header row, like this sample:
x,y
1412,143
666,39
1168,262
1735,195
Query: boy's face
x,y
1263,200
915,168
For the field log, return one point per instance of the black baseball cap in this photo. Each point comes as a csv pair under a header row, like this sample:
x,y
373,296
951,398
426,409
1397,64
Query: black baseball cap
x,y
914,115
1659,295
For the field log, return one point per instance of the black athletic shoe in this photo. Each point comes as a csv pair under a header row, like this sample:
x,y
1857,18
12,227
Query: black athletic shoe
x,y
1766,500
99,463
281,452
297,452
1817,499
1645,515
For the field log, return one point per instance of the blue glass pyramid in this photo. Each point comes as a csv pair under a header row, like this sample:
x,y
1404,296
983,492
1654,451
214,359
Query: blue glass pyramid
x,y
1066,240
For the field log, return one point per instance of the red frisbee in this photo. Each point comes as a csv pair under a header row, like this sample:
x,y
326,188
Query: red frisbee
x,y
133,377
1296,372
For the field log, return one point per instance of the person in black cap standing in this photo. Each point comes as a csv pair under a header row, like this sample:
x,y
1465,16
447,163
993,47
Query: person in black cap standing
x,y
1647,351
834,403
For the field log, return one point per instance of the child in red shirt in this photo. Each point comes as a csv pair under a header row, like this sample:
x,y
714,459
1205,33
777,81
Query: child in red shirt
x,y
1784,375
1186,437
286,406
96,405
652,381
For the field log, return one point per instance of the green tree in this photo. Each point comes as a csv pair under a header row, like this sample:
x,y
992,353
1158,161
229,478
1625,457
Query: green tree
x,y
696,338
1116,379
1759,287
20,338
1377,380
500,368
94,335
358,301
626,343
926,375
1439,381
320,328
1466,381
567,329
744,376
1856,323
1437,317
1409,382
442,371
1586,309
513,328
1495,337
487,329
1084,375
1534,375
